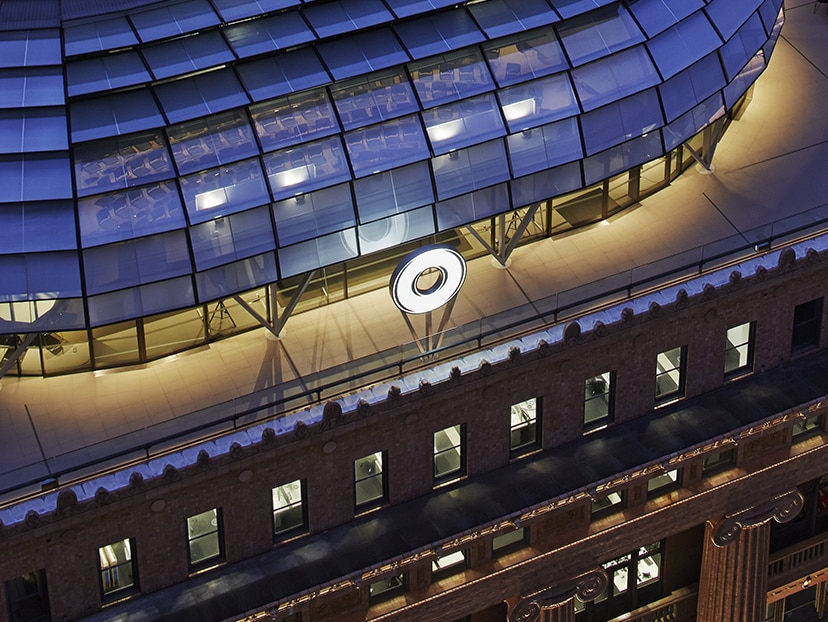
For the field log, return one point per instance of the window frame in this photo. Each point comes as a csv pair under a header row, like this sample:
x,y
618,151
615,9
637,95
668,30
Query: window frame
x,y
811,326
664,485
117,593
513,540
681,369
592,394
382,498
599,509
215,559
716,461
453,567
291,505
730,347
525,422
401,585
458,471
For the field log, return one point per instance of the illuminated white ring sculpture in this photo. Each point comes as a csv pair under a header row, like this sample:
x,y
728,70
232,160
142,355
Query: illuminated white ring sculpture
x,y
452,273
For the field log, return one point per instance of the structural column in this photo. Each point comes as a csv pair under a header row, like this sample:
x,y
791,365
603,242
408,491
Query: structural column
x,y
734,576
557,604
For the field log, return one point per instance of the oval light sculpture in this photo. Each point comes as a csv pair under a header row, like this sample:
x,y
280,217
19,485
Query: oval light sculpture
x,y
410,296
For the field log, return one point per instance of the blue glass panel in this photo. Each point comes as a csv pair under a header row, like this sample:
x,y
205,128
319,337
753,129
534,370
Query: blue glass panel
x,y
405,8
200,95
440,33
728,16
231,238
33,129
451,77
698,117
744,44
236,277
171,20
307,167
224,190
523,57
121,162
362,53
273,76
35,177
293,119
114,307
769,12
166,295
611,78
393,192
129,214
462,124
317,253
657,15
544,147
622,157
313,214
140,300
546,184
99,35
267,34
469,208
340,16
375,97
746,77
534,103
599,33
679,47
29,48
36,86
199,51
570,8
390,232
232,10
505,17
35,227
103,73
694,84
111,115
220,139
629,118
470,169
386,145
55,274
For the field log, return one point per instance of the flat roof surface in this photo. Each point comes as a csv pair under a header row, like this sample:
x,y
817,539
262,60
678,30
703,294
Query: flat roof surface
x,y
769,166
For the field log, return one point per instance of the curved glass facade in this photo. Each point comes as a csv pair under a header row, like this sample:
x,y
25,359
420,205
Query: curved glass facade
x,y
171,155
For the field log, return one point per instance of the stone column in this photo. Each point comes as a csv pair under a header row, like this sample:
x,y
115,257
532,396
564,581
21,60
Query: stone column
x,y
734,576
557,604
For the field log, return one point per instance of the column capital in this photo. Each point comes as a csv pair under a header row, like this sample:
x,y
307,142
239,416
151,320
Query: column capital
x,y
781,508
586,587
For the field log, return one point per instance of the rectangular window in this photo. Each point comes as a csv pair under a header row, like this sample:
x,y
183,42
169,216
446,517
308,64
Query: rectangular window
x,y
369,481
807,324
386,588
523,428
28,597
807,427
598,401
449,563
663,483
670,374
605,504
119,575
634,582
719,460
288,507
739,349
509,541
449,458
204,538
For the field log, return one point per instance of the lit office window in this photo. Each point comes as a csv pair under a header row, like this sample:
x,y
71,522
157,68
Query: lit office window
x,y
670,374
807,427
204,538
598,400
663,483
288,508
119,575
449,563
739,349
369,481
386,588
448,453
606,504
807,324
524,432
506,542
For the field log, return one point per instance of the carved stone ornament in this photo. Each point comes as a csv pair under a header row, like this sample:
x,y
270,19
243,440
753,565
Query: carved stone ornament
x,y
782,509
586,587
